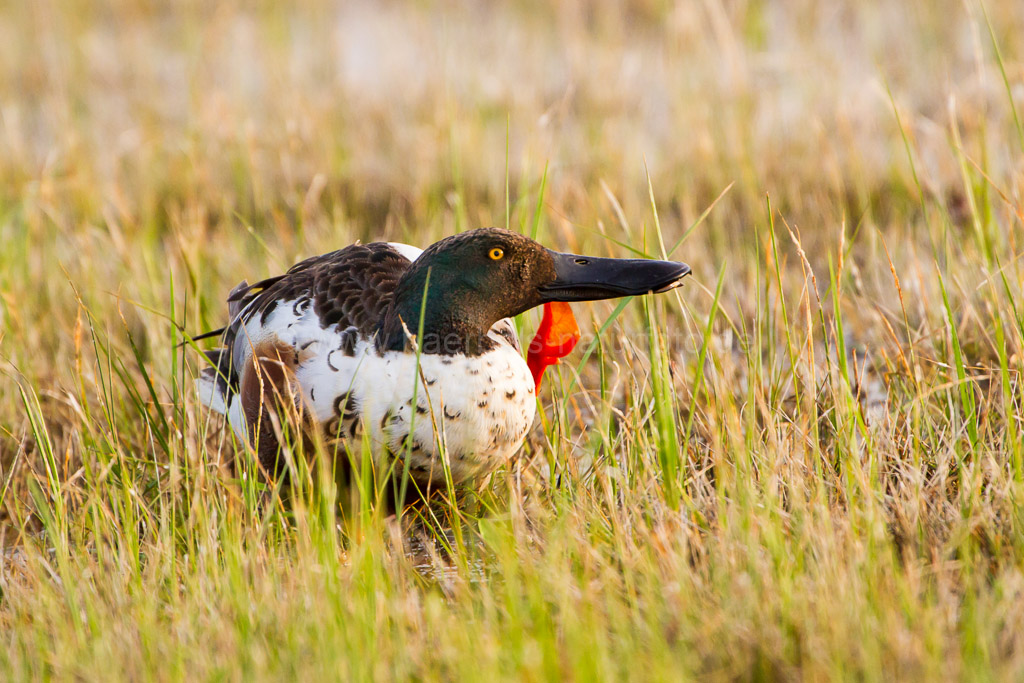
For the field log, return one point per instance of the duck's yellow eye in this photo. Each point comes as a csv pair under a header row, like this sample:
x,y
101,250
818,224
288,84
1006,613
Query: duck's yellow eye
x,y
496,253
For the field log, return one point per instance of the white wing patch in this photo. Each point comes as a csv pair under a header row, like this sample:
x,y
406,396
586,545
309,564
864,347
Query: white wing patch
x,y
407,250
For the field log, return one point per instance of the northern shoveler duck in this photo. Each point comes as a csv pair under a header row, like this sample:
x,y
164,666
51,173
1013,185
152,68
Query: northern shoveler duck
x,y
335,338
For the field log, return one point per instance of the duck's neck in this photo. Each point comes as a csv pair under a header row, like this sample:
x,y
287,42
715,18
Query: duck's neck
x,y
451,324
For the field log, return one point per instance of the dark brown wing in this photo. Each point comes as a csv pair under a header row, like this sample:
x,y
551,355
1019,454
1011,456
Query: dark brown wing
x,y
351,287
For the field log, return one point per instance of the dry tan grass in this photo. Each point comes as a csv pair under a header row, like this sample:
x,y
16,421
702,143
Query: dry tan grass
x,y
816,474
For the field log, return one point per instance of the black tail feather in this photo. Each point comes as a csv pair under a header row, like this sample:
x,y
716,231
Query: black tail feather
x,y
212,333
199,337
222,369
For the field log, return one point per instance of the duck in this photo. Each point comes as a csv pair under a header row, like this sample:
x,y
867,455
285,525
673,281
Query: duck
x,y
413,351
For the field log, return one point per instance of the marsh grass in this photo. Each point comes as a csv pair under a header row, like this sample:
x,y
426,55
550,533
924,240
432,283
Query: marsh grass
x,y
806,463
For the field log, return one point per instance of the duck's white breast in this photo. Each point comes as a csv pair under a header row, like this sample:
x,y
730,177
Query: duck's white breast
x,y
478,410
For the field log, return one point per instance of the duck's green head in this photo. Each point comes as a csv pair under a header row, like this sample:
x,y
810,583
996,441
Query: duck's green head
x,y
476,278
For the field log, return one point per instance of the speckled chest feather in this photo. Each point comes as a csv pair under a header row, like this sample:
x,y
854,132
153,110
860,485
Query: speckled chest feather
x,y
475,411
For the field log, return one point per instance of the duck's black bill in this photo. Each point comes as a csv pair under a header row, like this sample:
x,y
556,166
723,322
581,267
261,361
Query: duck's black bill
x,y
585,278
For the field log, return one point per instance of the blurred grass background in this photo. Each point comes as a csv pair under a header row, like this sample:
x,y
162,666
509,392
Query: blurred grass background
x,y
805,464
